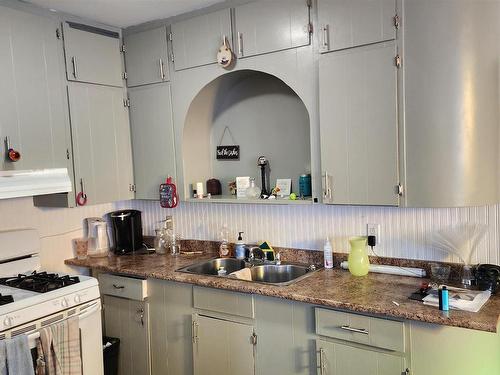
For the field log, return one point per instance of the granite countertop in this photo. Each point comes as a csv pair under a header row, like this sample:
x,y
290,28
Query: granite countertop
x,y
372,294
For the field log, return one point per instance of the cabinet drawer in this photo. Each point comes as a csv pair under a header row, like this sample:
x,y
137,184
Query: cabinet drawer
x,y
125,287
381,333
223,301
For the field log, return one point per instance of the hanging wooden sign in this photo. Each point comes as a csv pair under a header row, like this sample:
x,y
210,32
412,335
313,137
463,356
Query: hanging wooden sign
x,y
228,152
231,152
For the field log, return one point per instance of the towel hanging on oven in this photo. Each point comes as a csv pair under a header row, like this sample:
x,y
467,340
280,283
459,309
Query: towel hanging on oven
x,y
61,348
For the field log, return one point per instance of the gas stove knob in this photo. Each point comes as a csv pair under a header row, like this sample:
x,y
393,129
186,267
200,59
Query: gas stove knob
x,y
78,299
64,302
7,322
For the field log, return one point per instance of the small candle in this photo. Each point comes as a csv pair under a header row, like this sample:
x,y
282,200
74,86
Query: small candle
x,y
200,191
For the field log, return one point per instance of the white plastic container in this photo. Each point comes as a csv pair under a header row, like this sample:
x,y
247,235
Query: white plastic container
x,y
328,254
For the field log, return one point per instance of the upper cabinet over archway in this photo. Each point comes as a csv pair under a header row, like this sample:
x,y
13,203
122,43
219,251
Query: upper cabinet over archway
x,y
402,95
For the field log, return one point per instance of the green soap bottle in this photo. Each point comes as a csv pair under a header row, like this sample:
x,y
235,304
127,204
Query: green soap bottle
x,y
358,258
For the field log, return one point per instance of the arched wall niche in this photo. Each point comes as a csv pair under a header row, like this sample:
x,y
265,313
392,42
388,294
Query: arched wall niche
x,y
265,116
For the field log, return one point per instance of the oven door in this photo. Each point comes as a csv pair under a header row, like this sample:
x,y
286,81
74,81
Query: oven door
x,y
90,337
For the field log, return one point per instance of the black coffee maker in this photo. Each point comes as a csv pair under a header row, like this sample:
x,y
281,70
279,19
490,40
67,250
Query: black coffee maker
x,y
127,231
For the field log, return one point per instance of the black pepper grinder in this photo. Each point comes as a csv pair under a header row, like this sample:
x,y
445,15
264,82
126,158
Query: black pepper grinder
x,y
262,163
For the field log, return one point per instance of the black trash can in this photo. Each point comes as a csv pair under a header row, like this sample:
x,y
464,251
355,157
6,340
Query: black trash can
x,y
110,354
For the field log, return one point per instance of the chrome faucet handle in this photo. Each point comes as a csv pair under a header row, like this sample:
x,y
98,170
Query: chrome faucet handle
x,y
277,258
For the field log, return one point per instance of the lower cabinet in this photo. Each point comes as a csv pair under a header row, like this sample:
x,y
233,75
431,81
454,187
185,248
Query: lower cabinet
x,y
222,347
129,321
170,312
205,331
335,358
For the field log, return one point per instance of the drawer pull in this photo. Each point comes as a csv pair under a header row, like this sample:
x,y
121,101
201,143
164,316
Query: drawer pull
x,y
118,286
355,330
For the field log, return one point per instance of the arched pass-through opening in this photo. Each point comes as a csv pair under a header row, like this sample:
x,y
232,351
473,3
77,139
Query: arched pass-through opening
x,y
262,115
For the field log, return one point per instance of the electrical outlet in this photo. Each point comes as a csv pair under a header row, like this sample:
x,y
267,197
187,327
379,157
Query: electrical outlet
x,y
373,230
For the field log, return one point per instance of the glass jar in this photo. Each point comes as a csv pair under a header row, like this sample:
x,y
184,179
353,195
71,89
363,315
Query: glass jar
x,y
253,191
159,243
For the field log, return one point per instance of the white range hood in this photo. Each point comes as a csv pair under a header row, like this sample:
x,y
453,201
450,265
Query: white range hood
x,y
27,183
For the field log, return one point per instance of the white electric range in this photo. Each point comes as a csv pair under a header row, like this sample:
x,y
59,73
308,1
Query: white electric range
x,y
31,299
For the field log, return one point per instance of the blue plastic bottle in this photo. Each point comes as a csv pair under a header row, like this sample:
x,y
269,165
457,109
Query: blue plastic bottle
x,y
443,299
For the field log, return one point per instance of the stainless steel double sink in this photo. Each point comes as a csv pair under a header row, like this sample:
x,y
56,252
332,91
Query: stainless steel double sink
x,y
267,273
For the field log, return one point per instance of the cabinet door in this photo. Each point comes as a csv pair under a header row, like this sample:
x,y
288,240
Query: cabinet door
x,y
152,138
92,55
32,99
358,124
351,23
170,308
146,57
129,321
101,142
340,359
195,41
222,347
268,26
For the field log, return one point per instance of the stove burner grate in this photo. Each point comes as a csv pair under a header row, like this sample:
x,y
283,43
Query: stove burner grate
x,y
40,282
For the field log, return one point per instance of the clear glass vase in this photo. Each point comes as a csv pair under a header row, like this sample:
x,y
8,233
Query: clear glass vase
x,y
253,191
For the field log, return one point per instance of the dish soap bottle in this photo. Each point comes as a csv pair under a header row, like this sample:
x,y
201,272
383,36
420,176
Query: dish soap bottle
x,y
239,249
328,254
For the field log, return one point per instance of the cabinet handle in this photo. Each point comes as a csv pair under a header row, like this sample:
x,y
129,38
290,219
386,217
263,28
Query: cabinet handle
x,y
118,286
141,315
322,365
325,37
327,192
240,44
81,197
162,72
195,332
75,67
355,330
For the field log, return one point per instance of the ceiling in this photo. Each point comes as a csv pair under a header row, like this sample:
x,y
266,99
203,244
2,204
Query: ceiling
x,y
123,13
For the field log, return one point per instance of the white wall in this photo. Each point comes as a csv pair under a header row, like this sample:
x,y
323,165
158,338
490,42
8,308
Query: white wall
x,y
56,226
405,232
265,117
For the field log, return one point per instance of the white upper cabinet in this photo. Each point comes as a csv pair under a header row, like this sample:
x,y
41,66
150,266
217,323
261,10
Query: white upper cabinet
x,y
152,138
32,97
146,58
92,55
195,41
268,26
359,125
351,23
101,142
452,117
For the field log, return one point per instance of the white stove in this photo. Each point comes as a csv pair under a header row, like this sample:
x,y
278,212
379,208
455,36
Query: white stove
x,y
30,300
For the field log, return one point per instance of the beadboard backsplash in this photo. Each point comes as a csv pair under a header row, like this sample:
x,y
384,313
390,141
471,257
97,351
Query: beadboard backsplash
x,y
405,232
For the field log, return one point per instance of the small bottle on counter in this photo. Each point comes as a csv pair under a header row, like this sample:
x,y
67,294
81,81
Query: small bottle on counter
x,y
328,254
239,249
443,298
